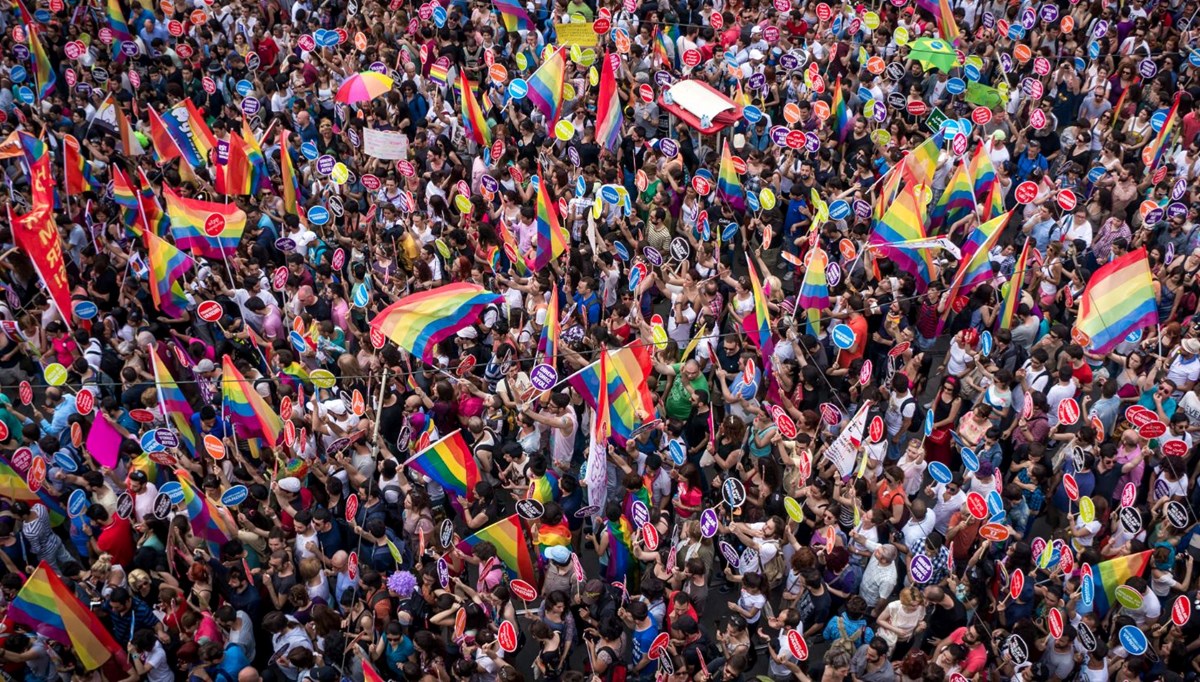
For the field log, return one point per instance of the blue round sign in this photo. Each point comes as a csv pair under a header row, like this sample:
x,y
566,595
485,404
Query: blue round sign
x,y
678,452
956,86
17,74
25,94
518,88
1134,336
972,72
843,336
1158,119
85,310
1087,589
580,186
622,251
928,423
1134,640
42,16
1094,49
635,276
940,472
439,16
243,87
64,461
986,342
309,150
234,496
609,194
173,490
77,503
729,232
297,341
149,443
360,295
752,202
970,459
1096,173
752,113
318,215
839,210
995,503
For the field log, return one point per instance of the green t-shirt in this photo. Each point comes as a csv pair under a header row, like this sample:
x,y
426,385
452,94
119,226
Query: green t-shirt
x,y
679,401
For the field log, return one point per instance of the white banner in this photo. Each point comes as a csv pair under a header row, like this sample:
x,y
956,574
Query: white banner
x,y
843,452
386,145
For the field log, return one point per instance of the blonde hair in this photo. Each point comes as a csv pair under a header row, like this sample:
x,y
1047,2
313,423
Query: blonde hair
x,y
911,596
310,568
103,563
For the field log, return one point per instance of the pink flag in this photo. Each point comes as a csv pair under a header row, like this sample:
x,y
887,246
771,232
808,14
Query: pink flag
x,y
104,441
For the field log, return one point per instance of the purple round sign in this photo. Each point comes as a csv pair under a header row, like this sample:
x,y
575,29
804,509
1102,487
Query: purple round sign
x,y
378,67
1177,209
20,52
166,438
789,61
573,155
325,164
811,142
709,523
861,208
779,136
1049,13
1147,68
756,82
285,244
730,554
251,106
669,147
833,274
880,113
489,183
129,48
543,377
1100,29
662,78
1178,189
1153,216
652,255
1028,18
920,568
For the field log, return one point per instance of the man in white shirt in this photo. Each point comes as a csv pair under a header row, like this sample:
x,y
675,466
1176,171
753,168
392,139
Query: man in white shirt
x,y
948,498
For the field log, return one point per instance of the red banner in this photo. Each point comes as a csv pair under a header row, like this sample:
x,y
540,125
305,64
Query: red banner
x,y
37,234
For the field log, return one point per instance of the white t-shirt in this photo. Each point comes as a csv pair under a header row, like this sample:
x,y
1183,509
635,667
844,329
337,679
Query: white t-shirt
x,y
749,602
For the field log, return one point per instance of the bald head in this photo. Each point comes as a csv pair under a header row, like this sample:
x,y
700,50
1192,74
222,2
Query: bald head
x,y
249,674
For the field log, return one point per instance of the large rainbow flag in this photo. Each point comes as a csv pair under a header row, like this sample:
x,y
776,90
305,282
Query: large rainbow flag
x,y
609,115
1118,299
167,267
729,186
842,122
258,162
956,203
508,537
1012,290
629,400
514,15
947,26
174,404
47,606
289,179
450,464
473,119
246,408
758,323
210,522
419,322
1108,575
78,179
43,72
165,135
904,221
975,266
188,217
546,86
199,134
552,238
119,28
814,290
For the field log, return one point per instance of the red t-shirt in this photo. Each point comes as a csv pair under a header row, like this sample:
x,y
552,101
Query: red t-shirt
x,y
117,539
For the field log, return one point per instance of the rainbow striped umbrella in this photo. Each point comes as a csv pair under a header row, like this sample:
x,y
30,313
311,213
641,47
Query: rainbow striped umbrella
x,y
363,87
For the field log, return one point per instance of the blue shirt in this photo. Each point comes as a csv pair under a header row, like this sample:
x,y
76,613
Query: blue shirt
x,y
591,305
58,421
1026,165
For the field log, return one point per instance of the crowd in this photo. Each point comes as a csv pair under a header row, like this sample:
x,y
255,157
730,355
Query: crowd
x,y
376,341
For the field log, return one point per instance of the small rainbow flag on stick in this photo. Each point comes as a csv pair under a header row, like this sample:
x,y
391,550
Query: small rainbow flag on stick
x,y
1118,299
729,186
419,322
814,290
47,606
548,343
508,537
841,116
246,408
174,404
189,218
546,86
758,323
514,15
1108,575
551,237
473,118
629,401
450,464
1012,295
210,522
167,267
609,117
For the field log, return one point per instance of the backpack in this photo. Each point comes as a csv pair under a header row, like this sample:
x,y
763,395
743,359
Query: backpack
x,y
917,425
617,670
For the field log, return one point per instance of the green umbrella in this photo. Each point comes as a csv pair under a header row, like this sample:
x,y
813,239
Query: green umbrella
x,y
934,53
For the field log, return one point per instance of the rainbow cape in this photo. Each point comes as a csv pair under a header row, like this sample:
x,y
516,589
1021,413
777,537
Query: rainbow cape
x,y
546,86
548,342
609,116
842,122
419,322
47,606
1012,290
174,404
904,221
450,464
629,401
620,549
729,186
552,239
1108,575
188,217
545,488
508,537
167,267
1118,299
246,408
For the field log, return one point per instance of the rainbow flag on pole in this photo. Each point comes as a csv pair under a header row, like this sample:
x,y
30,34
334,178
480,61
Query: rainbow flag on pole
x,y
814,290
165,134
546,86
956,203
125,196
1108,575
629,401
514,15
258,162
188,218
1012,290
167,266
48,607
552,239
473,118
609,116
758,323
14,487
43,72
450,464
1154,151
842,122
1118,299
419,322
975,266
729,186
290,181
905,221
120,29
201,137
508,537
174,404
548,342
246,408
210,522
75,170
947,27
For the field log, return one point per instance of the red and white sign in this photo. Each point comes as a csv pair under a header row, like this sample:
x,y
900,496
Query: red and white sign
x,y
506,636
358,404
824,12
289,433
352,566
4,434
1026,192
523,590
351,506
916,108
646,92
692,58
1067,200
658,645
1175,448
717,21
37,473
797,645
977,505
1068,411
1140,417
210,311
1128,494
377,338
1152,429
875,430
1071,486
701,185
214,225
1055,620
175,28
26,393
864,374
899,349
1181,610
141,416
1016,583
85,401
830,413
465,366
650,536
785,424
1037,119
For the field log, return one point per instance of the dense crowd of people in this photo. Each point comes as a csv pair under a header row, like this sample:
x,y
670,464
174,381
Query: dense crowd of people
x,y
893,469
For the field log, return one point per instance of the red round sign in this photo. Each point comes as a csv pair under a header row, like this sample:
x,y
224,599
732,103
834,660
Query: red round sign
x,y
1056,623
279,278
1175,448
141,416
716,20
899,349
4,434
981,115
601,26
875,431
506,636
1016,583
377,338
701,185
692,57
1152,429
184,50
1026,192
1066,200
977,505
465,366
523,590
1128,495
351,506
210,86
917,108
1141,417
1181,610
210,311
84,402
797,645
175,28
1071,487
214,225
646,92
785,424
285,407
824,12
658,645
1068,411
650,536
37,473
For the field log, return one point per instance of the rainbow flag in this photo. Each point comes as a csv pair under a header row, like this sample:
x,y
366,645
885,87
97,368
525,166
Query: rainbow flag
x,y
904,221
975,266
814,290
237,175
602,424
370,674
167,267
258,162
1121,102
450,464
175,406
473,119
629,401
125,196
165,134
246,408
842,122
758,323
26,17
210,522
48,607
552,239
419,322
1108,575
1118,299
508,537
1154,151
609,115
546,86
78,180
514,15
983,174
152,212
548,342
291,183
663,48
545,488
917,167
202,139
947,27
956,203
120,29
729,186
188,217
553,535
620,549
43,72
1012,290
14,487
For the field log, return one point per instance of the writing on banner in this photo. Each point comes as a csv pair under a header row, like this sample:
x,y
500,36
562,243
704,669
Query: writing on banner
x,y
383,144
576,34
